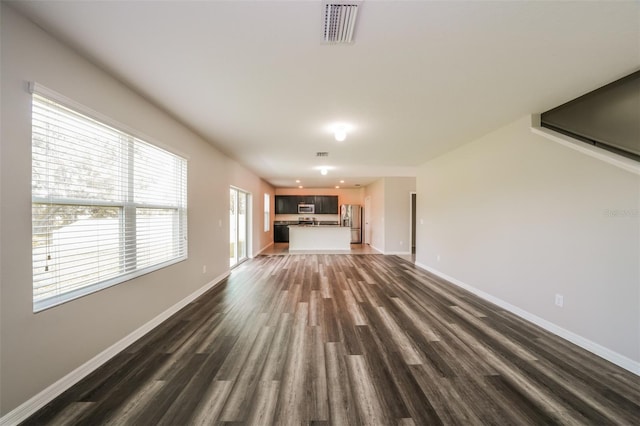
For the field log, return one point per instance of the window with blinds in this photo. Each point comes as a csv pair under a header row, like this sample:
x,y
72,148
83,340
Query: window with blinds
x,y
106,206
267,212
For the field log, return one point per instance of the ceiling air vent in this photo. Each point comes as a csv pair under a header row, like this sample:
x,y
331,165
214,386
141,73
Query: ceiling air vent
x,y
339,21
322,154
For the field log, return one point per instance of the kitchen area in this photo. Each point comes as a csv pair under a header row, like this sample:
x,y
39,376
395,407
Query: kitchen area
x,y
316,222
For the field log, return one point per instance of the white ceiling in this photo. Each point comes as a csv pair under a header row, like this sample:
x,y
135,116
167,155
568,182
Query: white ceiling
x,y
421,78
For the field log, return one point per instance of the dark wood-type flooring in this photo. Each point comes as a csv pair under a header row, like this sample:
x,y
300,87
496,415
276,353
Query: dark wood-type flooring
x,y
341,340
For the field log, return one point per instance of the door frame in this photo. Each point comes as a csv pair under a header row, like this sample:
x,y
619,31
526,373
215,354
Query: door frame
x,y
412,219
247,225
367,219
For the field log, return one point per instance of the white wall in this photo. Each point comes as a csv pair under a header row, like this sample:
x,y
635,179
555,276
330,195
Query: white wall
x,y
522,218
38,349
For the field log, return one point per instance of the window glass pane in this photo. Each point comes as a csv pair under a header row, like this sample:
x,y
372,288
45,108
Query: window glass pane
x,y
157,236
267,212
158,176
74,157
233,222
73,246
242,225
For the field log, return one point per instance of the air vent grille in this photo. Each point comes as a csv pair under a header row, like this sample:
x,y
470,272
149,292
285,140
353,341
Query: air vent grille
x,y
339,22
322,154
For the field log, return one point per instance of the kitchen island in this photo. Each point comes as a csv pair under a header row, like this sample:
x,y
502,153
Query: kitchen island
x,y
319,237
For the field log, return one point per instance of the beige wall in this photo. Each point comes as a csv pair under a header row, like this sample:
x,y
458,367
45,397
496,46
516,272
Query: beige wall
x,y
38,349
375,193
243,179
522,219
397,201
390,215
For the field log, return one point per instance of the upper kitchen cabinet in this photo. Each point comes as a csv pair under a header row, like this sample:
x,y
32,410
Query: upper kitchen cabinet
x,y
307,199
326,204
286,204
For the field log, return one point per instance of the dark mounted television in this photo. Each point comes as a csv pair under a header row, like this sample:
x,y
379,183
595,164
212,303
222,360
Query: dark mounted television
x,y
608,117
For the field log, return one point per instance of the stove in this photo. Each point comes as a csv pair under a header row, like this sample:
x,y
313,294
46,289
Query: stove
x,y
306,221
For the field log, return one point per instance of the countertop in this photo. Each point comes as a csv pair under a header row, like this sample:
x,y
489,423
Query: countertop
x,y
316,226
296,223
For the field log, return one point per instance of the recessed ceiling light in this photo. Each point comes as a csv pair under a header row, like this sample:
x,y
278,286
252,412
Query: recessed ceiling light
x,y
341,181
300,186
297,180
337,186
323,172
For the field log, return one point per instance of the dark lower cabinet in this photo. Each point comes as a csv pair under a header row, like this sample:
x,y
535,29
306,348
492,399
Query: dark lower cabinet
x,y
280,233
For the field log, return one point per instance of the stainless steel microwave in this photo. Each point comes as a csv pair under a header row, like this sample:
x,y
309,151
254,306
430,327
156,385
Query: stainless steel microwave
x,y
306,208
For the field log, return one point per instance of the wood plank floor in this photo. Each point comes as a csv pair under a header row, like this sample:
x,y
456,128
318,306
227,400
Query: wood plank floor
x,y
346,340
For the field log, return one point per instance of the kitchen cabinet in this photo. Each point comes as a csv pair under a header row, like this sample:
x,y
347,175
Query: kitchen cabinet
x,y
326,204
286,204
307,199
280,233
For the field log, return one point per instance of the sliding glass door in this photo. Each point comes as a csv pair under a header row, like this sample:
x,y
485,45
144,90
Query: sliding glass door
x,y
238,225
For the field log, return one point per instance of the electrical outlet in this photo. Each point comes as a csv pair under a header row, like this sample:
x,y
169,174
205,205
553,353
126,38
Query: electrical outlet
x,y
204,269
400,242
559,300
438,258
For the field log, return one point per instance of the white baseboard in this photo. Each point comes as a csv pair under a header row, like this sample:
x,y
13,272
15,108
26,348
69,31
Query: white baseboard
x,y
391,253
593,347
377,249
26,409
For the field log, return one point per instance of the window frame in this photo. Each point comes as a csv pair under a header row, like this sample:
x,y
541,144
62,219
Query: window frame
x,y
130,210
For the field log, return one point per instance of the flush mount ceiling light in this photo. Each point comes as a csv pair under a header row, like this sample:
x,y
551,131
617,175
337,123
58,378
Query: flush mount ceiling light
x,y
340,130
339,21
324,170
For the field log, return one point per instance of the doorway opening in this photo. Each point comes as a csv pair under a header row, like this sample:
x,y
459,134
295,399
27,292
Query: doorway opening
x,y
413,223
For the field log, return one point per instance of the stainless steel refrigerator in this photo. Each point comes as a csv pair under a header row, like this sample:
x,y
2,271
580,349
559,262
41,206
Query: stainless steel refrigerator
x,y
351,216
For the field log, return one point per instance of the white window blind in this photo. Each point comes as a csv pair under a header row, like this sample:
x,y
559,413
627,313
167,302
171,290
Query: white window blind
x,y
267,212
106,206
